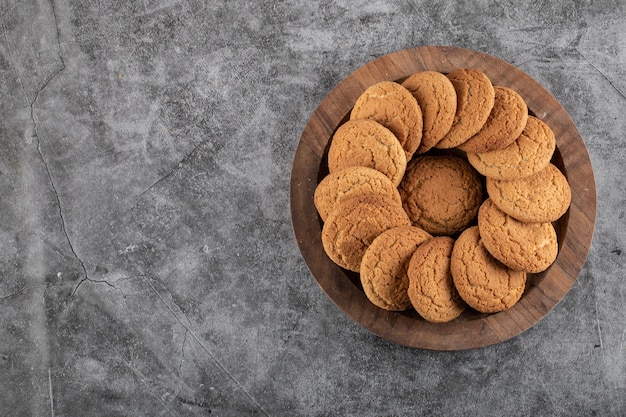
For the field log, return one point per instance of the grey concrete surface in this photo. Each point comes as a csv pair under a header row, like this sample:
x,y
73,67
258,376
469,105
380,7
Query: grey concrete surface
x,y
147,261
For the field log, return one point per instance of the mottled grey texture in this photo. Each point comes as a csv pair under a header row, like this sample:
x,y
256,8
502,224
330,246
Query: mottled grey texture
x,y
147,261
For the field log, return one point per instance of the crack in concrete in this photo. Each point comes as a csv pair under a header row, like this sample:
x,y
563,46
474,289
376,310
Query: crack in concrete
x,y
588,62
11,64
103,281
601,73
147,279
599,329
56,73
37,136
23,290
53,186
141,378
13,294
182,354
50,393
171,171
36,130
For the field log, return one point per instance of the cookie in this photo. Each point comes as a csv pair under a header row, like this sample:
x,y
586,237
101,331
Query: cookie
x,y
505,123
441,194
528,154
354,224
351,182
369,144
431,289
539,198
436,98
384,267
528,247
475,97
483,282
394,107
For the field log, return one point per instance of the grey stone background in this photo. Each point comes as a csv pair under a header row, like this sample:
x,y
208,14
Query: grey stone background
x,y
147,261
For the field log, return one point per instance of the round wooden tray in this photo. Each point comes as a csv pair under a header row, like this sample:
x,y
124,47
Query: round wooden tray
x,y
472,329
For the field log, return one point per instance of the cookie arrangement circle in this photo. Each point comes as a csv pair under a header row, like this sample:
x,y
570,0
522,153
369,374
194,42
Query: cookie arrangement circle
x,y
472,329
476,202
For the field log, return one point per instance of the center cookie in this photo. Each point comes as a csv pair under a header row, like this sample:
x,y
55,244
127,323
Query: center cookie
x,y
441,194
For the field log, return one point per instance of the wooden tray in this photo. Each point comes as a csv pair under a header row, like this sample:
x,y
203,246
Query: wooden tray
x,y
472,329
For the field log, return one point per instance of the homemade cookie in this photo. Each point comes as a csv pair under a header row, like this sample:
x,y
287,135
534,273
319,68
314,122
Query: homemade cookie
x,y
369,144
505,123
483,282
351,182
528,154
539,198
528,247
475,97
431,289
436,98
441,194
384,267
394,107
354,224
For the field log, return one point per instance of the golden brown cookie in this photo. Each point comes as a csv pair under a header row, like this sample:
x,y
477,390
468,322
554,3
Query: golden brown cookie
x,y
431,289
441,194
384,267
351,182
436,98
475,97
539,198
369,144
505,123
528,154
394,107
354,224
528,247
483,282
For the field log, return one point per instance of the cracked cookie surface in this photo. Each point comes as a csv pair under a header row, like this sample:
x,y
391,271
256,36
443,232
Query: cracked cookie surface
x,y
527,155
431,289
475,98
354,224
529,247
351,182
539,198
483,282
441,194
369,144
436,98
384,267
505,123
394,107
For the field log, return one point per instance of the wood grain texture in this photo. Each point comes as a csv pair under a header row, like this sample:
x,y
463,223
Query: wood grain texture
x,y
472,329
